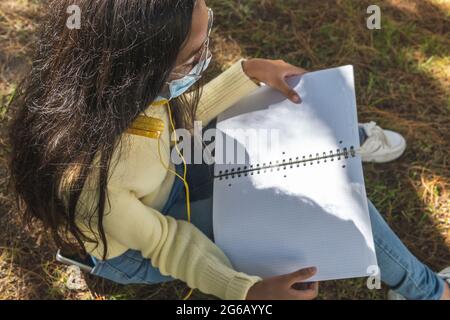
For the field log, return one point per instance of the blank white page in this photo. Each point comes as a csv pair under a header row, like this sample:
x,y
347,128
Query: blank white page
x,y
315,213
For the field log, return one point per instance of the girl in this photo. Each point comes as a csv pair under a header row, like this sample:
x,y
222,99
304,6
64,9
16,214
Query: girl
x,y
91,157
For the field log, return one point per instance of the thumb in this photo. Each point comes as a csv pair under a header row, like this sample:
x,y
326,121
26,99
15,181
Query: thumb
x,y
285,89
300,275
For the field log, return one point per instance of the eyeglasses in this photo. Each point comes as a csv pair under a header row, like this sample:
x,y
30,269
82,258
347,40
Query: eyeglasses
x,y
203,54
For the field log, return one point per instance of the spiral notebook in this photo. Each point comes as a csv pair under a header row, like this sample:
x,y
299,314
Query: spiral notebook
x,y
296,198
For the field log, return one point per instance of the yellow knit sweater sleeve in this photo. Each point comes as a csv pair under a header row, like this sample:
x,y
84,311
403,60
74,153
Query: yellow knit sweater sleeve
x,y
224,91
176,247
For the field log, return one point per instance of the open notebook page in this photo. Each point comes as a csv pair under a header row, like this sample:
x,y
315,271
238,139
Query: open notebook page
x,y
299,200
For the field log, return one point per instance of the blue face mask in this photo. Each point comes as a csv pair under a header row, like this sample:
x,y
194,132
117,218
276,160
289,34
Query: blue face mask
x,y
179,86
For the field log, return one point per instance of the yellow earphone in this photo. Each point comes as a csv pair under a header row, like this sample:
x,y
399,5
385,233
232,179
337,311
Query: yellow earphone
x,y
183,178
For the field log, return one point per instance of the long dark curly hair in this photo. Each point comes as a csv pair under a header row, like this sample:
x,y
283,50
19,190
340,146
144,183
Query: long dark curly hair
x,y
85,89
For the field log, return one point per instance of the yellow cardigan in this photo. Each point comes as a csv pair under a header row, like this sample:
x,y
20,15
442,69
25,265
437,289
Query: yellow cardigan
x,y
138,188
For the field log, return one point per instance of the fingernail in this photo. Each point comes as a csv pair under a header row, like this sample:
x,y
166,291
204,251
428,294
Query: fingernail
x,y
312,269
296,98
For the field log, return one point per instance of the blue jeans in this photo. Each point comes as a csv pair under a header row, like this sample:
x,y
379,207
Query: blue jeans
x,y
399,268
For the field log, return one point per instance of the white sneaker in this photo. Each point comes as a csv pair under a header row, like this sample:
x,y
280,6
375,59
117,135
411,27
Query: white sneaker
x,y
444,274
381,145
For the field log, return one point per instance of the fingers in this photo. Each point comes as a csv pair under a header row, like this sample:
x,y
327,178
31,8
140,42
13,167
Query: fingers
x,y
292,70
288,70
285,89
309,293
299,276
274,73
291,286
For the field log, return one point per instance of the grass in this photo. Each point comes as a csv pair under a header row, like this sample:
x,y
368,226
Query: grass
x,y
403,83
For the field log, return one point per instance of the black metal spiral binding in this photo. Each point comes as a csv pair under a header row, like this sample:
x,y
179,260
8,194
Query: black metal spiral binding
x,y
284,164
